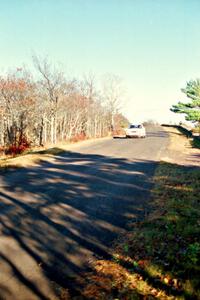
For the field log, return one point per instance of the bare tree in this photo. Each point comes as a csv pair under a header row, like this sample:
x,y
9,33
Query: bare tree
x,y
51,84
51,108
112,93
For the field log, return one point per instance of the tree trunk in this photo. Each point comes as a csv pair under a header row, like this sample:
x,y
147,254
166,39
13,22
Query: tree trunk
x,y
41,133
52,129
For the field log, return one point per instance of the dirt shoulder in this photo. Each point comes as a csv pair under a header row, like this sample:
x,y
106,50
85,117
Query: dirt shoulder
x,y
36,156
180,150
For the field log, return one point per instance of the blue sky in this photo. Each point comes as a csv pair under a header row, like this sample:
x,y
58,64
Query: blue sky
x,y
154,45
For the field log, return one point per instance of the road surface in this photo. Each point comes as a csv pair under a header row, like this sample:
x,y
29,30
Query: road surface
x,y
56,216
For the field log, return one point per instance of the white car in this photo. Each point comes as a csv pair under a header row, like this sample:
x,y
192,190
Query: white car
x,y
136,130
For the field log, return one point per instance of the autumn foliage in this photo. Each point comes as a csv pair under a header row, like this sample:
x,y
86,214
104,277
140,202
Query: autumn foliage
x,y
52,108
18,147
78,137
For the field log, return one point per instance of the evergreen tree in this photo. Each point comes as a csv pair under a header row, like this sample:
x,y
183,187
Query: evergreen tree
x,y
190,109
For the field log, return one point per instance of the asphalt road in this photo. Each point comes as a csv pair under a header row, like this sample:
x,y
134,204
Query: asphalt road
x,y
58,215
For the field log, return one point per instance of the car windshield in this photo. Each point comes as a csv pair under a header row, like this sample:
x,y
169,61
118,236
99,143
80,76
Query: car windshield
x,y
135,126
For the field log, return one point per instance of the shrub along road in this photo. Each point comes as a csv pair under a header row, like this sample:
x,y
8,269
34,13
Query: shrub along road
x,y
57,215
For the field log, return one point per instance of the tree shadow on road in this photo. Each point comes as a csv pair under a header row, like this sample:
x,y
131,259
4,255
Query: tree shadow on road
x,y
160,133
64,212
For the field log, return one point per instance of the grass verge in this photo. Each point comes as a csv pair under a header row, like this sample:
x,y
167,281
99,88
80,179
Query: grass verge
x,y
160,257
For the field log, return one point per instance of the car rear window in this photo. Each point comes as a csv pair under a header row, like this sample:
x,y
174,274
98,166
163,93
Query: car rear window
x,y
135,126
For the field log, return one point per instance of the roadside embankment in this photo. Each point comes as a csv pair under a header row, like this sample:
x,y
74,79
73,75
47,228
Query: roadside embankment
x,y
192,134
36,156
181,149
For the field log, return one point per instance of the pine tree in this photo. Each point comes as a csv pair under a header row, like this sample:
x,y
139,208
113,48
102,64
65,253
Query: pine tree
x,y
190,109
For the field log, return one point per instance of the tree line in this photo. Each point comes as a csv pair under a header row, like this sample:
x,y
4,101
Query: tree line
x,y
52,108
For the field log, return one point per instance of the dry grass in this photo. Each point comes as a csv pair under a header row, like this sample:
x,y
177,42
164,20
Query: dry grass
x,y
37,155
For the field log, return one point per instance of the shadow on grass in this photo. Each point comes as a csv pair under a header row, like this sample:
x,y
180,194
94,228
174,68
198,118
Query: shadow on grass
x,y
196,142
153,281
60,214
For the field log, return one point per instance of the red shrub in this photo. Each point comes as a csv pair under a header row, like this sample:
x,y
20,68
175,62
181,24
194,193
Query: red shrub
x,y
78,137
19,147
2,150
